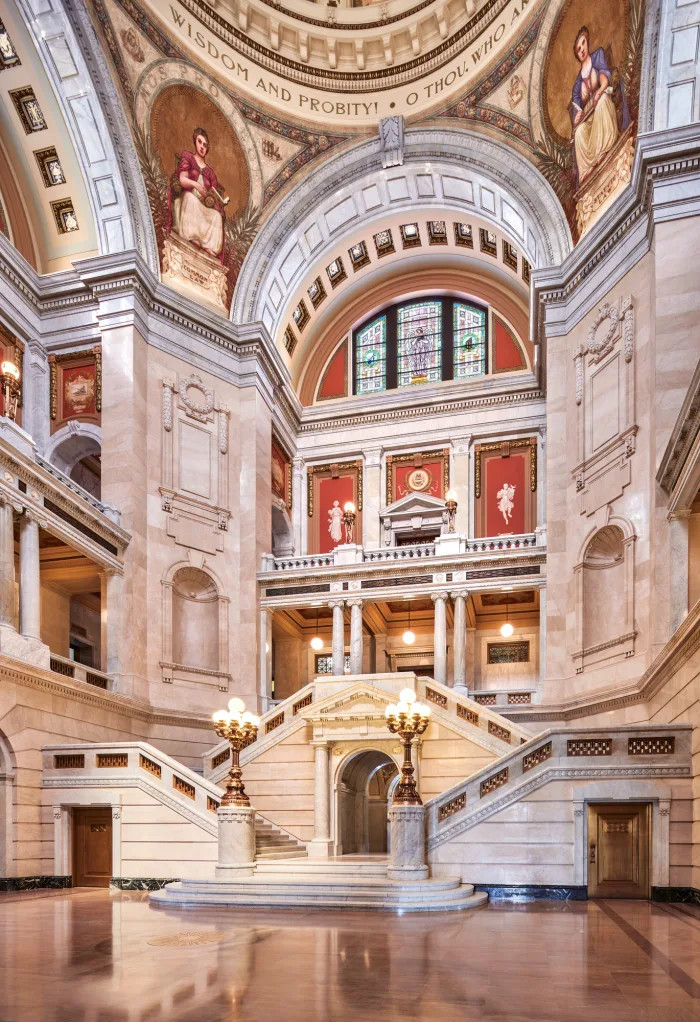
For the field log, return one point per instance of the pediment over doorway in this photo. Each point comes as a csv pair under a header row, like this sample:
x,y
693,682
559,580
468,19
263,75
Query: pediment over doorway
x,y
417,515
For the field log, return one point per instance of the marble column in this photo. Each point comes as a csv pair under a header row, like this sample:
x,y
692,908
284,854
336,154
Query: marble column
x,y
541,528
459,482
338,637
265,659
355,636
29,580
318,848
7,564
440,637
298,511
111,607
35,394
678,566
372,498
460,641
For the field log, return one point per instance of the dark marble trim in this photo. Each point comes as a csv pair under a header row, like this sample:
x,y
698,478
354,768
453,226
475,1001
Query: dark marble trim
x,y
686,895
531,891
140,883
39,883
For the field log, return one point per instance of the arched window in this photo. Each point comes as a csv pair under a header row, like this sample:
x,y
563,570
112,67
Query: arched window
x,y
420,341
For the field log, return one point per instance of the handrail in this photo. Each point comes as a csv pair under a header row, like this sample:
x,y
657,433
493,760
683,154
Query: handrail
x,y
472,712
113,513
622,750
79,672
415,551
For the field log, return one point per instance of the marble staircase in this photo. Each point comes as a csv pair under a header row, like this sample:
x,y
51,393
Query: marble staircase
x,y
273,843
328,884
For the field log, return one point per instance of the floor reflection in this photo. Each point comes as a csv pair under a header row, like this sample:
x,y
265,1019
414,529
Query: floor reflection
x,y
97,956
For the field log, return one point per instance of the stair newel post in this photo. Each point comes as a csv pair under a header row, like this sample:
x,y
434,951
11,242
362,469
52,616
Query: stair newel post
x,y
235,816
408,719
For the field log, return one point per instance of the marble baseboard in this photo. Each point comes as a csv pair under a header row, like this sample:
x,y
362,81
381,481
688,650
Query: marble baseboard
x,y
140,883
687,895
529,892
39,883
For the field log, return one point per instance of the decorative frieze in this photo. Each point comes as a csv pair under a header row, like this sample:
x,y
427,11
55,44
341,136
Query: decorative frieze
x,y
537,756
493,782
651,746
589,747
454,806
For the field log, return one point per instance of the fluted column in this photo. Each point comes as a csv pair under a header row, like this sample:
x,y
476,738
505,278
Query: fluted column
x,y
440,637
298,511
29,584
460,640
355,636
322,800
7,564
338,636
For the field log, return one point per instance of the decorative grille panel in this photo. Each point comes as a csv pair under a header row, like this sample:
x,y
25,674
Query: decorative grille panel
x,y
589,747
537,756
651,746
493,782
452,807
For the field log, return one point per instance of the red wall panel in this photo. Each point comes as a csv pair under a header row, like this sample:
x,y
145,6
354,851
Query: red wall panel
x,y
498,472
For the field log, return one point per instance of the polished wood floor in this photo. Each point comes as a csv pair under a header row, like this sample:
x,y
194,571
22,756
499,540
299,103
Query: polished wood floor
x,y
97,956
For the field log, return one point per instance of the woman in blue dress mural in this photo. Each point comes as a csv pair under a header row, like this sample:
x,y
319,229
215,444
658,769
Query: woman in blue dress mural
x,y
594,113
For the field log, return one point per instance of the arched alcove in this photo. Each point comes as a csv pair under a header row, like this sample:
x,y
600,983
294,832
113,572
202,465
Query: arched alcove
x,y
195,620
7,777
605,594
77,450
282,532
363,802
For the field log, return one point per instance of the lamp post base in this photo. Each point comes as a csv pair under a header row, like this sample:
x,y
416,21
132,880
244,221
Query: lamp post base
x,y
236,842
407,858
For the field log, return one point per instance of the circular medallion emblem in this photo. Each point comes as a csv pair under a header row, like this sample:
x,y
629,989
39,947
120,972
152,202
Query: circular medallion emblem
x,y
418,479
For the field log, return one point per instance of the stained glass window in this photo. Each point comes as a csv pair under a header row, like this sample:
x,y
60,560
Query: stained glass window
x,y
419,337
469,338
370,357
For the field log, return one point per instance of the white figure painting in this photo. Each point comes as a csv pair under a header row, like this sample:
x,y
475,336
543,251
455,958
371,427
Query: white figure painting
x,y
335,522
505,501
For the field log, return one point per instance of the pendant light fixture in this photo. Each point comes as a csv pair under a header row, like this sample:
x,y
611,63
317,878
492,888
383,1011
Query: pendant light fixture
x,y
408,636
317,642
507,628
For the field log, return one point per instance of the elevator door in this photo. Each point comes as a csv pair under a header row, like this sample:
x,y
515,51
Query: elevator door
x,y
92,846
618,850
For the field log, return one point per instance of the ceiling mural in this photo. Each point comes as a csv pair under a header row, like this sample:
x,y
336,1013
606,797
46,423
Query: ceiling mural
x,y
211,163
222,126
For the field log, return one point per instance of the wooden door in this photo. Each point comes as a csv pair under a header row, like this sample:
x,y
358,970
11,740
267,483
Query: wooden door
x,y
92,846
618,850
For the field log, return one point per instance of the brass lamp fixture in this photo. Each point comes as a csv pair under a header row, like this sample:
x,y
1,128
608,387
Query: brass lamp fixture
x,y
507,628
349,519
9,375
407,719
451,508
317,642
240,728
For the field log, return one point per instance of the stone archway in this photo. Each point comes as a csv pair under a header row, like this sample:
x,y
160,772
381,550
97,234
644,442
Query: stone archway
x,y
363,802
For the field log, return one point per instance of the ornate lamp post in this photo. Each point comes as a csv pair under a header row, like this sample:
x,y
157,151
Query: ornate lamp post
x,y
349,519
451,508
9,375
407,719
240,728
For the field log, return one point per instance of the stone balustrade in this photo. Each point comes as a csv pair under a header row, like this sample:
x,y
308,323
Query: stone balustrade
x,y
623,752
79,672
457,547
504,697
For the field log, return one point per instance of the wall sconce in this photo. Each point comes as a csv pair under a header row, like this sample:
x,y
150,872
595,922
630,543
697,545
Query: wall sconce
x,y
349,519
9,374
451,508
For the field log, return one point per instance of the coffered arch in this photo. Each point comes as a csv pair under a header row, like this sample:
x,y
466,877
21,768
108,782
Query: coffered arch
x,y
457,170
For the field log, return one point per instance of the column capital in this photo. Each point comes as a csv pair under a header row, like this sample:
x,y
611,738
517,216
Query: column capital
x,y
33,515
336,603
11,501
356,601
298,462
462,444
458,594
439,596
321,743
372,456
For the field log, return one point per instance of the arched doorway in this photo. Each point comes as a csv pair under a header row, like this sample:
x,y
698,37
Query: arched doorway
x,y
363,801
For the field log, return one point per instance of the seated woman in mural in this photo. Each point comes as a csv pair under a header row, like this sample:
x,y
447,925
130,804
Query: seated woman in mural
x,y
196,207
594,112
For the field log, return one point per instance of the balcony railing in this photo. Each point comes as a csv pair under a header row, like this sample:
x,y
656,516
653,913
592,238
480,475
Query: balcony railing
x,y
106,509
459,546
79,672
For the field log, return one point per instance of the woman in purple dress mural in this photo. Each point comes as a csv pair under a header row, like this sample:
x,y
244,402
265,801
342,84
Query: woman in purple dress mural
x,y
198,215
594,113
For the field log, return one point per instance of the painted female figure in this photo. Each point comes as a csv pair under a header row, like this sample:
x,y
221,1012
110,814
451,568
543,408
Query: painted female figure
x,y
594,113
198,215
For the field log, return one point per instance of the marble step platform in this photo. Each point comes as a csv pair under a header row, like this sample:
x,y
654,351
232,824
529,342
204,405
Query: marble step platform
x,y
272,843
343,865
322,891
